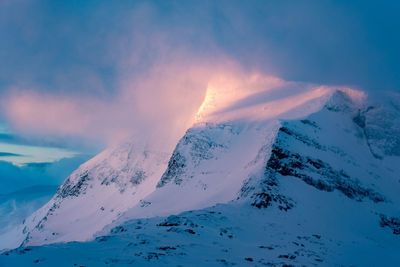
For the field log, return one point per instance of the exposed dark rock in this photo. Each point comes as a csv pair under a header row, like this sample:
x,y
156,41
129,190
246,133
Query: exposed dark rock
x,y
266,193
283,160
118,229
167,248
267,247
171,221
72,189
359,120
310,123
144,203
102,238
392,222
199,147
138,177
262,200
190,231
175,169
153,256
318,174
290,257
300,137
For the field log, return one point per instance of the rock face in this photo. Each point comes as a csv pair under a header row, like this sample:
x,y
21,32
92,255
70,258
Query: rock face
x,y
325,167
381,126
329,151
196,146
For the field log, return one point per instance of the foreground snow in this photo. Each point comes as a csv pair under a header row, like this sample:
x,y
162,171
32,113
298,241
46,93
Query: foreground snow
x,y
234,234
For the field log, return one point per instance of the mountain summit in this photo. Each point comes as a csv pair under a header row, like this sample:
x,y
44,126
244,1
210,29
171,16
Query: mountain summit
x,y
283,175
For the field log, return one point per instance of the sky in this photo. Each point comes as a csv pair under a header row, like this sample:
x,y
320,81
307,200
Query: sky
x,y
76,76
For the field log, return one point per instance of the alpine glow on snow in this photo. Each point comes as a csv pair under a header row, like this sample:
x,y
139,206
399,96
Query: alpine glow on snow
x,y
188,133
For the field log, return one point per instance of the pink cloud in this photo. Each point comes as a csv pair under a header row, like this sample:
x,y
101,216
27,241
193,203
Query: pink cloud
x,y
167,97
28,110
158,105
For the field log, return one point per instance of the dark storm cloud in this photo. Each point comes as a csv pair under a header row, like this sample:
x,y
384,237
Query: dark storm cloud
x,y
77,45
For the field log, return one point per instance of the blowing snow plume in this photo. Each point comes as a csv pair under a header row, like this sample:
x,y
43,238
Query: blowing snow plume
x,y
158,105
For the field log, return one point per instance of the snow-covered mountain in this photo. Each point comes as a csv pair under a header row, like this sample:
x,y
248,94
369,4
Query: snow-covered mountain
x,y
291,175
93,196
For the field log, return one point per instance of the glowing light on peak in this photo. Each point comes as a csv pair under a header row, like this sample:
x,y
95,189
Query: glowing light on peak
x,y
356,96
225,89
238,95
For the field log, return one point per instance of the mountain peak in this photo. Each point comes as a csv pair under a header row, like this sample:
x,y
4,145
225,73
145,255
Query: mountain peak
x,y
259,99
224,90
345,99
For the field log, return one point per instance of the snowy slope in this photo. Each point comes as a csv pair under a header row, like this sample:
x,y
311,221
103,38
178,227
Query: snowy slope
x,y
330,151
118,180
214,159
307,178
93,196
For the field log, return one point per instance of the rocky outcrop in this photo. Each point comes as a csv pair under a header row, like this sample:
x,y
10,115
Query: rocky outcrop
x,y
196,145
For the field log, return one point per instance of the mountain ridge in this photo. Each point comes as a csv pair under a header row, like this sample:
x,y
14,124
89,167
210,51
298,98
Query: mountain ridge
x,y
252,149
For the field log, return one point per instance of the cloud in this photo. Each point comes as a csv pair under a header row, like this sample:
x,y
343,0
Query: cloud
x,y
8,154
168,96
31,110
105,70
154,100
73,47
15,178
